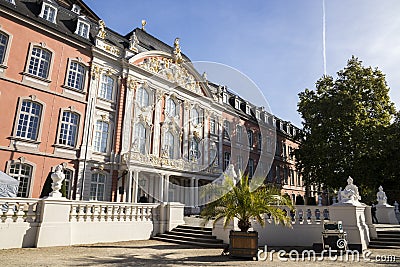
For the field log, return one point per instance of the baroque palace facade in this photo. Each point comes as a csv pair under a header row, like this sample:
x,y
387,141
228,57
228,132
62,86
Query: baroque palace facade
x,y
126,115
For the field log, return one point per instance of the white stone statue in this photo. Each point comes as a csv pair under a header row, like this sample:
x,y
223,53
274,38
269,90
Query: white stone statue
x,y
381,196
396,207
349,195
230,172
133,42
57,176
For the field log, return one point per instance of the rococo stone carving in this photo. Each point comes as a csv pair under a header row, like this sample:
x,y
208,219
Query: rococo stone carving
x,y
172,72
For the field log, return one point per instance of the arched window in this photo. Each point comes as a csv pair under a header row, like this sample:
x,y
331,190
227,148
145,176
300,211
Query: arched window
x,y
250,137
39,62
140,137
76,76
194,114
142,97
169,144
29,120
69,128
106,89
101,136
23,173
3,46
194,152
170,108
97,186
68,182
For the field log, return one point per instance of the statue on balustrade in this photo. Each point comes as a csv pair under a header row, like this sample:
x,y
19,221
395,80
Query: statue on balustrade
x,y
381,197
349,195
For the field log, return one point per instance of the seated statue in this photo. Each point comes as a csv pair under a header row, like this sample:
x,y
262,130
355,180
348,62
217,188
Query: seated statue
x,y
350,192
381,196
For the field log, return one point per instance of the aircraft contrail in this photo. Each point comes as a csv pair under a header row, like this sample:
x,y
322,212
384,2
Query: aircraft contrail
x,y
323,35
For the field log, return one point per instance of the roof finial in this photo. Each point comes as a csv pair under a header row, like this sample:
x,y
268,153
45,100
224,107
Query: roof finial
x,y
177,51
144,22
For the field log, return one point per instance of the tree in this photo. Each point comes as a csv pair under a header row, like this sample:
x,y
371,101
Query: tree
x,y
344,121
244,204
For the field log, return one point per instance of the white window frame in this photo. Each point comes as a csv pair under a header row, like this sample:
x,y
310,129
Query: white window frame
x,y
74,74
6,48
68,181
19,133
29,182
45,8
195,116
142,97
250,137
141,130
101,137
169,144
70,128
227,159
96,184
170,107
213,126
106,88
227,129
239,133
34,62
80,28
194,151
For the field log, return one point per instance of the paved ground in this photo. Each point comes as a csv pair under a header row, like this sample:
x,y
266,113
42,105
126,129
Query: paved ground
x,y
156,253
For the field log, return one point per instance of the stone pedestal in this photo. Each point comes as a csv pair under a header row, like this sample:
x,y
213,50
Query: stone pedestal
x,y
54,228
386,214
353,219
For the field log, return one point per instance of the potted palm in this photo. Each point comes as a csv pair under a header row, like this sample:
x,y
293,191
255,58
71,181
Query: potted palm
x,y
246,205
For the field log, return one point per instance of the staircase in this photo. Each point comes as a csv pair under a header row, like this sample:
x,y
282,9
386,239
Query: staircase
x,y
388,238
191,235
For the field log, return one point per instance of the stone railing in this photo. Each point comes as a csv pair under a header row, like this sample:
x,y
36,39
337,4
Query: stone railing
x,y
305,214
16,210
112,212
60,222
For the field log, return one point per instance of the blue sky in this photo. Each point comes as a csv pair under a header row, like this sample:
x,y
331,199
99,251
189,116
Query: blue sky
x,y
276,43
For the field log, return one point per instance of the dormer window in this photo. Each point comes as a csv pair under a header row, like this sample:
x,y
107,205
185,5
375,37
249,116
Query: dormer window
x,y
11,1
237,103
257,114
82,29
247,109
49,12
224,98
76,9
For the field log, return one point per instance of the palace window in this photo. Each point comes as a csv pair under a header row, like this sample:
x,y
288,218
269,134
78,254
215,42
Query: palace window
x,y
194,114
278,174
237,103
214,155
76,76
250,137
69,128
170,108
251,168
3,46
23,173
82,29
225,98
140,134
68,182
257,114
239,134
227,129
29,120
248,109
194,153
291,176
169,144
239,162
213,128
106,87
97,186
259,142
39,62
227,158
48,13
142,97
101,136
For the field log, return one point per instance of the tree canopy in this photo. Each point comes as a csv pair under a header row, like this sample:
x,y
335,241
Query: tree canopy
x,y
345,122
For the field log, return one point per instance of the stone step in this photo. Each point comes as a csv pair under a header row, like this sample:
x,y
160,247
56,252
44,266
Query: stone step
x,y
194,228
196,234
191,243
194,231
171,235
383,246
385,242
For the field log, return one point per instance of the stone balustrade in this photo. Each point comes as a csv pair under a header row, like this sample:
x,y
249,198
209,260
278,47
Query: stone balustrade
x,y
17,210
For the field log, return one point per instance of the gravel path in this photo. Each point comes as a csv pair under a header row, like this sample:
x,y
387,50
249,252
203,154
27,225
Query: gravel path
x,y
156,253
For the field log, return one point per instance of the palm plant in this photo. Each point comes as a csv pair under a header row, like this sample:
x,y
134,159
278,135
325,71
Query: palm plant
x,y
244,204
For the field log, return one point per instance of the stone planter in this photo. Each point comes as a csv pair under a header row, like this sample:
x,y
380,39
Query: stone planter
x,y
243,244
